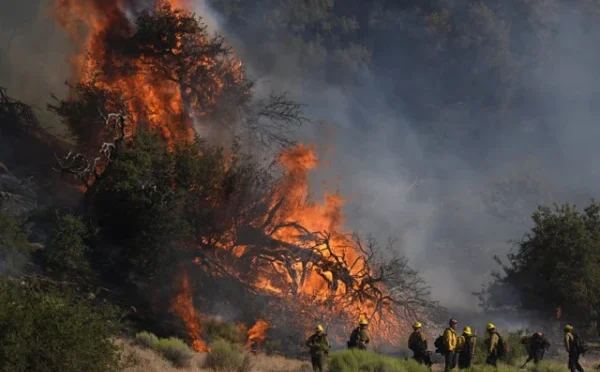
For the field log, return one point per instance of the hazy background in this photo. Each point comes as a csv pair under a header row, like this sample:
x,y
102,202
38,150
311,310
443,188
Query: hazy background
x,y
447,121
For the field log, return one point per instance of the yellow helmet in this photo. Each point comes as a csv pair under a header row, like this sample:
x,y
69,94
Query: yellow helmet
x,y
417,325
568,328
490,326
467,330
319,328
363,322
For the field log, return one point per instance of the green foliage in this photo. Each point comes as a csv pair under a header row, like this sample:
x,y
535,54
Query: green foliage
x,y
176,351
225,356
147,340
546,366
554,264
14,246
516,353
67,251
215,330
135,205
53,332
173,349
359,360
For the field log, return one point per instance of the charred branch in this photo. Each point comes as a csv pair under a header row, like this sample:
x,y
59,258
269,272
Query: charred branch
x,y
274,120
12,109
86,170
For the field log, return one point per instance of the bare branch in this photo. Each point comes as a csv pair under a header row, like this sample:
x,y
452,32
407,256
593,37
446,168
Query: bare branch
x,y
275,120
80,166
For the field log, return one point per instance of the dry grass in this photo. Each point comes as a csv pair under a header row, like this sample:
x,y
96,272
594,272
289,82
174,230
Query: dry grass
x,y
139,359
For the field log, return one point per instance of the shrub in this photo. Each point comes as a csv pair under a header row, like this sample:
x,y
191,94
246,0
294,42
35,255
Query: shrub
x,y
14,246
53,332
359,360
516,353
215,330
176,351
172,349
147,339
224,356
67,250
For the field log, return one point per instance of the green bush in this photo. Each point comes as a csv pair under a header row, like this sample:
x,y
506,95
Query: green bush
x,y
224,356
67,251
172,349
52,332
147,340
14,246
176,351
359,360
517,353
215,330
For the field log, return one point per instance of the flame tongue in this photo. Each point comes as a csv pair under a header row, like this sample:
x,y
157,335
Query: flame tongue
x,y
257,334
183,307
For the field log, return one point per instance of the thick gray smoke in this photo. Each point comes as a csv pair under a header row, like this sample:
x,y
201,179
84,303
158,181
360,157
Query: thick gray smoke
x,y
453,195
453,204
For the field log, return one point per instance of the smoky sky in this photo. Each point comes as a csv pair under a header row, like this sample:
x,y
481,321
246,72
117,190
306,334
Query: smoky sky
x,y
452,178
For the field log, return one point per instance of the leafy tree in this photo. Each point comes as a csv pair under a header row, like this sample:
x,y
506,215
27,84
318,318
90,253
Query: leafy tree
x,y
135,205
67,252
14,245
49,331
555,264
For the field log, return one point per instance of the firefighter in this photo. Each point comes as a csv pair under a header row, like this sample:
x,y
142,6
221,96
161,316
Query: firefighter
x,y
417,342
492,343
536,346
574,348
360,336
465,346
450,340
319,349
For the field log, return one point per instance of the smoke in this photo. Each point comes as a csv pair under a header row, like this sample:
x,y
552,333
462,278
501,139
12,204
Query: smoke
x,y
453,182
454,187
33,56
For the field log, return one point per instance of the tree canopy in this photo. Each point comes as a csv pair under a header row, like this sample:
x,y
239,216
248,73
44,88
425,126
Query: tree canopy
x,y
554,265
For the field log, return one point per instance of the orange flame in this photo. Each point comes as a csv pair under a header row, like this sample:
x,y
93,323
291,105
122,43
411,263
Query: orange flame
x,y
257,334
164,105
183,307
151,98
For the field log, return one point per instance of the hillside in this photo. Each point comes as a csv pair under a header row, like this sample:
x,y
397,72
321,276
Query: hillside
x,y
238,173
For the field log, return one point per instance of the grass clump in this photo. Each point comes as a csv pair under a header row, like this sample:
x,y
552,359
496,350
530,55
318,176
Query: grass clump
x,y
360,360
227,357
172,349
545,366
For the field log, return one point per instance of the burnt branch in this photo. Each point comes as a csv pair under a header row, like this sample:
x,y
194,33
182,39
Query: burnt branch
x,y
12,109
274,120
86,170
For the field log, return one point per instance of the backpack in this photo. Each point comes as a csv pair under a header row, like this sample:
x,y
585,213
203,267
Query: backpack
x,y
502,348
579,344
354,338
440,345
468,348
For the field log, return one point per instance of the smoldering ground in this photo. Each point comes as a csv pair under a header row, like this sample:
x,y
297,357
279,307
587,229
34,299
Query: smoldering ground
x,y
420,151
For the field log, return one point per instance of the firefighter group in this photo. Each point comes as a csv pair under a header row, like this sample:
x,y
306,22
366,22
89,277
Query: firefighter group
x,y
457,350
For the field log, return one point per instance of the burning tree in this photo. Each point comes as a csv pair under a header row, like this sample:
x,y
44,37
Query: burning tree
x,y
176,207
